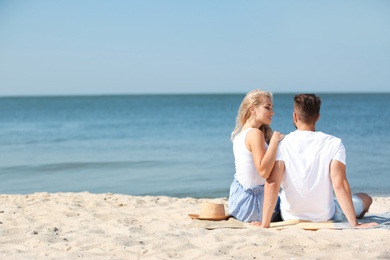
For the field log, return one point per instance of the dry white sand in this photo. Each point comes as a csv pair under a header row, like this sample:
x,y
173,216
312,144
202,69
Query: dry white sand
x,y
112,226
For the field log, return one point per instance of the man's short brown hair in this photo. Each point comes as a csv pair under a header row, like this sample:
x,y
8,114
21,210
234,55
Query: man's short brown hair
x,y
307,107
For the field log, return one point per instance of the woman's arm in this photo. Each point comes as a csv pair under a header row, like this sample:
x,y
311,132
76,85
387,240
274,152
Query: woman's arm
x,y
263,159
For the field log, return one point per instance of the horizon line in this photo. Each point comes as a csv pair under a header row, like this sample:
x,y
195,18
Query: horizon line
x,y
188,94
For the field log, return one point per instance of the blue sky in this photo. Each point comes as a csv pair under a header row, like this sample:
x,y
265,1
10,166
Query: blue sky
x,y
93,47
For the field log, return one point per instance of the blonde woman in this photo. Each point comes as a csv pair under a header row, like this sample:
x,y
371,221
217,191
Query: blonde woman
x,y
254,148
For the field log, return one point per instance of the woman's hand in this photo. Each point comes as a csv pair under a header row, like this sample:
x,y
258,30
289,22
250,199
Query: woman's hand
x,y
276,137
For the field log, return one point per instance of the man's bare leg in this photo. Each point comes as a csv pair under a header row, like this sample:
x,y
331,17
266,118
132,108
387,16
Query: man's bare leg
x,y
367,201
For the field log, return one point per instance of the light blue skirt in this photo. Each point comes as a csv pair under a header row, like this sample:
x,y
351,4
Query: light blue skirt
x,y
246,204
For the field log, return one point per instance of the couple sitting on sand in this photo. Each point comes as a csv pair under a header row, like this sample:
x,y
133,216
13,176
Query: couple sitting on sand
x,y
306,164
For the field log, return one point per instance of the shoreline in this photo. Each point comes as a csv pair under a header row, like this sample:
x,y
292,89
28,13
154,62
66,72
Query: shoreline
x,y
116,226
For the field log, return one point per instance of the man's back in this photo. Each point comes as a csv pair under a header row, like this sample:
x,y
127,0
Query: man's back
x,y
307,189
309,166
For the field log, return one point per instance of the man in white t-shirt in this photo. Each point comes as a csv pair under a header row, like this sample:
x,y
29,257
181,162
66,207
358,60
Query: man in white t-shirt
x,y
310,168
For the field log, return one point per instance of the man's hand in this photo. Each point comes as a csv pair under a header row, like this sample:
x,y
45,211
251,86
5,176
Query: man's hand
x,y
367,225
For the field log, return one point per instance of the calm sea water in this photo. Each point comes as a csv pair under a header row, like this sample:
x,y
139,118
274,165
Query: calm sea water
x,y
175,145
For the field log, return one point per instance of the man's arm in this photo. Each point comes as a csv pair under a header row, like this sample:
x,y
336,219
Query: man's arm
x,y
343,193
271,191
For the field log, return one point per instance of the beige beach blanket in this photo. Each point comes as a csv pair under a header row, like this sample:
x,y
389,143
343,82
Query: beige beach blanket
x,y
306,225
382,219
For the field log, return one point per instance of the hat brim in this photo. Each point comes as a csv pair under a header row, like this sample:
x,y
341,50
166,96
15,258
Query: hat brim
x,y
196,216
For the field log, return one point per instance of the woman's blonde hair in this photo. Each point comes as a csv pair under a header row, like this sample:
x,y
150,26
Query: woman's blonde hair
x,y
253,99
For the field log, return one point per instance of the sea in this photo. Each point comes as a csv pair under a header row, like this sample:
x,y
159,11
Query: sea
x,y
167,145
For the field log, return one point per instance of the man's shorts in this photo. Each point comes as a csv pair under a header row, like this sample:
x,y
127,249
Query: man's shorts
x,y
357,205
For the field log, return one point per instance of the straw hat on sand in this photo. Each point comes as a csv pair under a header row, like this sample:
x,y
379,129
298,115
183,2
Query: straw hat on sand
x,y
210,211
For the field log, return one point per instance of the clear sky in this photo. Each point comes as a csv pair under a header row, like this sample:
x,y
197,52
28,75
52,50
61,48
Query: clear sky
x,y
72,47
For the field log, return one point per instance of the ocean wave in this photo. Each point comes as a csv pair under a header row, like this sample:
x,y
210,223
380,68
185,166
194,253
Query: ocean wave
x,y
65,166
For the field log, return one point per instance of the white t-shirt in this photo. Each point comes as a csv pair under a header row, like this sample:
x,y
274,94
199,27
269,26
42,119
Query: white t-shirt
x,y
246,172
307,191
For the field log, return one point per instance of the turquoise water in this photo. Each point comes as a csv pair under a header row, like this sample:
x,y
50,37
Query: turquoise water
x,y
175,145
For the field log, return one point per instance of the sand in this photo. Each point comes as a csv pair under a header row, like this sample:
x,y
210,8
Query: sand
x,y
113,226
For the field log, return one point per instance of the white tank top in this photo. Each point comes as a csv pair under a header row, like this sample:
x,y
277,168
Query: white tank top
x,y
246,172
